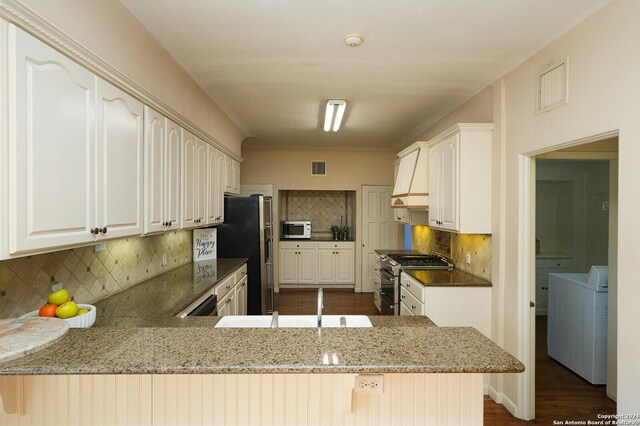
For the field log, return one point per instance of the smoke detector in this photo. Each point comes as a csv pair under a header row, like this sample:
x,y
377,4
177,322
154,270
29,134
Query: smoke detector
x,y
353,40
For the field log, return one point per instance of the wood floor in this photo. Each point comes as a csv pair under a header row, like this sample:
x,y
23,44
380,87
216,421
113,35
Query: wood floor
x,y
560,393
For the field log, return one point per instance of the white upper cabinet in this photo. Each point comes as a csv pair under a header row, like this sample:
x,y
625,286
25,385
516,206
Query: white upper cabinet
x,y
189,180
202,186
119,162
460,179
76,169
163,143
215,182
232,176
51,177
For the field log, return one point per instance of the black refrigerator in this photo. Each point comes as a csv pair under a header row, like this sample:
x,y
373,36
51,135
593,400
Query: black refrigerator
x,y
247,232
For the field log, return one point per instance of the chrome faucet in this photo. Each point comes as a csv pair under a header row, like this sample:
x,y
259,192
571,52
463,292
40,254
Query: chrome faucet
x,y
320,306
274,319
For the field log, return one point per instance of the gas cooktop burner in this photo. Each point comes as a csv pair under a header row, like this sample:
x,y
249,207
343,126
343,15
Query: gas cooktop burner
x,y
421,261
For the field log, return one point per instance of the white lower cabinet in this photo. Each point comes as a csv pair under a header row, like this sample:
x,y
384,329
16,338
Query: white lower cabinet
x,y
316,262
448,306
545,266
232,293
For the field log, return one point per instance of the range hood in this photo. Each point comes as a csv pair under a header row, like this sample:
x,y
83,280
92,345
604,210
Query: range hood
x,y
411,189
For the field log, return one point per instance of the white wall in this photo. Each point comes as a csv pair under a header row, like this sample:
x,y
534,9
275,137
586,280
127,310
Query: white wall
x,y
604,96
109,30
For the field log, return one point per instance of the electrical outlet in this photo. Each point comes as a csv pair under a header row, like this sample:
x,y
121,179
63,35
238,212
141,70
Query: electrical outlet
x,y
467,258
369,383
100,247
164,259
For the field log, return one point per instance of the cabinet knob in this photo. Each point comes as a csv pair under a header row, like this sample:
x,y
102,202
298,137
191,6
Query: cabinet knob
x,y
95,231
403,296
228,287
104,230
413,307
408,285
169,223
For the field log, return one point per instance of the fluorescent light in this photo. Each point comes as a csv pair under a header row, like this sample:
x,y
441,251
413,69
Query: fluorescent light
x,y
333,114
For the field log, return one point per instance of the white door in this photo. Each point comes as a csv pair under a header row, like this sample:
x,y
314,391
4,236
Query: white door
x,y
307,266
119,159
53,138
189,183
449,183
344,262
154,146
172,175
201,205
327,266
378,229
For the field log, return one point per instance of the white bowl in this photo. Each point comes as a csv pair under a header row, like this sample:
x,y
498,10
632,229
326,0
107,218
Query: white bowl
x,y
82,321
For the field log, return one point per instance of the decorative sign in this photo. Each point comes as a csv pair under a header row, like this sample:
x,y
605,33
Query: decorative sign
x,y
204,244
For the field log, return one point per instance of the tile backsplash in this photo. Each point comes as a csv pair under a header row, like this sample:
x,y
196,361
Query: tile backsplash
x,y
455,246
87,275
322,208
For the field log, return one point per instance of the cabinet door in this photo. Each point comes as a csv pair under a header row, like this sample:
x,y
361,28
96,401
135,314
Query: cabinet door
x,y
400,215
226,305
229,174
241,297
344,267
288,262
172,175
220,187
307,266
189,182
119,159
202,157
155,131
51,176
327,266
449,183
435,172
212,190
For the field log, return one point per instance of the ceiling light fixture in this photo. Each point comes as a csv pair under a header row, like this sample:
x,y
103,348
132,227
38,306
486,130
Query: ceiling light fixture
x,y
333,114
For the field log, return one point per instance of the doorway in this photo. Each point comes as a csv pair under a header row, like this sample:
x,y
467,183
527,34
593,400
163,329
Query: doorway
x,y
571,230
570,195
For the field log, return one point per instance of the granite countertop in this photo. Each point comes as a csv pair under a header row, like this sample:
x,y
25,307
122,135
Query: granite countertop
x,y
161,298
202,350
137,333
447,278
396,251
315,240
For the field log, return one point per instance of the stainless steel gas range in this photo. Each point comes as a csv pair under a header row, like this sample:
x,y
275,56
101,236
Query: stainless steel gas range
x,y
392,265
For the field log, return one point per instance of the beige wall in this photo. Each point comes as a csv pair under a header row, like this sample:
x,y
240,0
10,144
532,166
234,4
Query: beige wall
x,y
604,91
346,170
478,109
110,31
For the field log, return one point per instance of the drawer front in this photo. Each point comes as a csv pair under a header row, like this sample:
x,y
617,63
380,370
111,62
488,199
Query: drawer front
x,y
554,263
340,245
377,283
376,300
404,310
298,244
414,305
225,286
414,287
240,273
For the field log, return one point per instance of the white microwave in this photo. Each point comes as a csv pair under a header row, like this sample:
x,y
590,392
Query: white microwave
x,y
296,229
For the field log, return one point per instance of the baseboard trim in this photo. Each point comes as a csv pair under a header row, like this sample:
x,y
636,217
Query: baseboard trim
x,y
500,398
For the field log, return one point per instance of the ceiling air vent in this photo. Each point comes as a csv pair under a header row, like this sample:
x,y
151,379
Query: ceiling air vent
x,y
552,87
318,168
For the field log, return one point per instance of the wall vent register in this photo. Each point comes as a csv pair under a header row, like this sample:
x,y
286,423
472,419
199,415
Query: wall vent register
x,y
318,168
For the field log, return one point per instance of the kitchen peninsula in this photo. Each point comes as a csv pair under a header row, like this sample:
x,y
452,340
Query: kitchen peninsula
x,y
185,369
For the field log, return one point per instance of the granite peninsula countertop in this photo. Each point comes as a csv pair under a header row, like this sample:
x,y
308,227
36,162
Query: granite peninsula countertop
x,y
205,350
396,251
